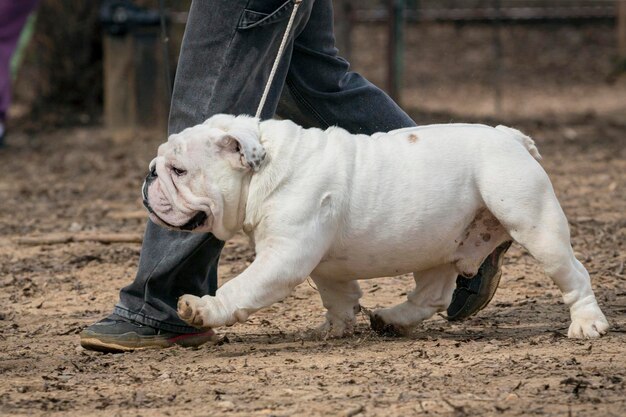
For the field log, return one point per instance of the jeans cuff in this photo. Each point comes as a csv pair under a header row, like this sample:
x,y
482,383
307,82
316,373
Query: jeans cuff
x,y
149,321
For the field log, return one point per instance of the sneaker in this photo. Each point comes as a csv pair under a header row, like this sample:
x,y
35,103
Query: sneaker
x,y
473,294
117,334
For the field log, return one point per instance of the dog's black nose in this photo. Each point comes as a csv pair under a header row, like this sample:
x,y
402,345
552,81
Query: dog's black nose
x,y
152,175
144,194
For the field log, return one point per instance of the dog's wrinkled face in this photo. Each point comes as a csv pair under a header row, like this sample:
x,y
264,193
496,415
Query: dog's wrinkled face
x,y
197,181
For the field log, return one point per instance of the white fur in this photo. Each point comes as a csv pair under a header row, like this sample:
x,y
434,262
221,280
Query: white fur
x,y
432,200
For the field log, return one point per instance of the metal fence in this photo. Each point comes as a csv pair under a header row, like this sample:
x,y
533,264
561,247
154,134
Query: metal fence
x,y
397,13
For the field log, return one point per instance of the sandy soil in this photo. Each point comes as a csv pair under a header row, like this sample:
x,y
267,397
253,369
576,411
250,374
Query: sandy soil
x,y
512,359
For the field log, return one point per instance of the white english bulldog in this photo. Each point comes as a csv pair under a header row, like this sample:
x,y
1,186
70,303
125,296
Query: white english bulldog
x,y
432,200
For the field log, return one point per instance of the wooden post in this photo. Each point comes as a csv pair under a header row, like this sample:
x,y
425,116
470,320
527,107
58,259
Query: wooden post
x,y
395,48
343,11
135,94
119,76
497,60
151,92
621,30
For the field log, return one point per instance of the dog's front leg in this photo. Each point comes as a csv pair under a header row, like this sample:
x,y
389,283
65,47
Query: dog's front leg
x,y
279,267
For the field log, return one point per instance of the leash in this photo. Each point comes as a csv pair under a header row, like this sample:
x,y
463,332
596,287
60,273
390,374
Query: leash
x,y
279,54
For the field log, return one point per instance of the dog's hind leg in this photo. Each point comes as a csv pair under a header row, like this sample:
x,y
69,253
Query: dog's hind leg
x,y
532,215
341,299
432,293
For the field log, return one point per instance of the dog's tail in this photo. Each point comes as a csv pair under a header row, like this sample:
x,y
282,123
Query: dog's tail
x,y
526,141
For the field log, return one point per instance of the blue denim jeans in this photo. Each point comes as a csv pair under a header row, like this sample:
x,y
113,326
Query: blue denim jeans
x,y
228,50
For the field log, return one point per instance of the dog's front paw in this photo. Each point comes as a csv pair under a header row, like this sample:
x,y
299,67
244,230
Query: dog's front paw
x,y
191,311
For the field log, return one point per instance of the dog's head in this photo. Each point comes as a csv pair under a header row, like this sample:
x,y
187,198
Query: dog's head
x,y
198,181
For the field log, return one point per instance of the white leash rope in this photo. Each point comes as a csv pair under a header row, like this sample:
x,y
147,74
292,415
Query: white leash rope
x,y
279,55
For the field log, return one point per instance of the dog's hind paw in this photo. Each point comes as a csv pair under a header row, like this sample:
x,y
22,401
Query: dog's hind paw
x,y
588,329
383,328
334,330
588,321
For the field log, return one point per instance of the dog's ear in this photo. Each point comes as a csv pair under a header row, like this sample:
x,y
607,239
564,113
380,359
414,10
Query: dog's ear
x,y
242,148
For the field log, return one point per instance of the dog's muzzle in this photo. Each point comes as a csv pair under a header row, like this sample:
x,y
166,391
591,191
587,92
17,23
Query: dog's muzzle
x,y
197,220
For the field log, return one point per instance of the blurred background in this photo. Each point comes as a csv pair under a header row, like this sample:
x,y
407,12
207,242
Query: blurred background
x,y
90,110
447,59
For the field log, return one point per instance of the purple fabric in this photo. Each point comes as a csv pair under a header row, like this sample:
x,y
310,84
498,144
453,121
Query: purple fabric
x,y
13,14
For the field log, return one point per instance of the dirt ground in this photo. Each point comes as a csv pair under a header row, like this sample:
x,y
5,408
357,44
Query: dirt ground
x,y
512,359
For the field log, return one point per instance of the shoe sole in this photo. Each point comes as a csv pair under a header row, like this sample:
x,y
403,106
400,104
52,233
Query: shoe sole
x,y
486,290
112,347
101,343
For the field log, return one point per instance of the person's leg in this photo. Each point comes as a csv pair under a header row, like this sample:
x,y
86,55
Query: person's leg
x,y
321,91
227,53
222,69
13,15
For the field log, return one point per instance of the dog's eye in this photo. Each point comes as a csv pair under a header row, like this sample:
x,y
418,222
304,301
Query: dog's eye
x,y
178,172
